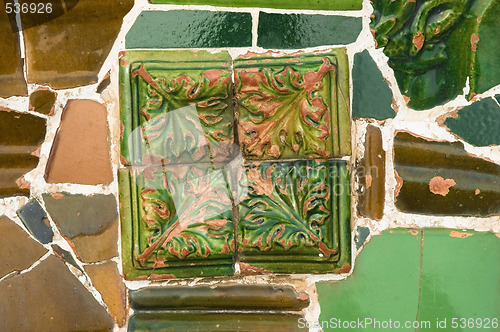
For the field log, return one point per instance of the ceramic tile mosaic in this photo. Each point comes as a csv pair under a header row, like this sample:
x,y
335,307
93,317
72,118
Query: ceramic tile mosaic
x,y
196,165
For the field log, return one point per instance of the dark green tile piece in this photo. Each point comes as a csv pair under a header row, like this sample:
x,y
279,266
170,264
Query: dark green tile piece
x,y
452,288
35,220
221,297
477,124
90,223
176,107
297,31
372,97
281,4
65,256
19,251
42,101
56,301
384,284
20,136
361,236
296,218
212,322
190,29
12,81
69,50
293,106
371,176
177,221
433,46
441,178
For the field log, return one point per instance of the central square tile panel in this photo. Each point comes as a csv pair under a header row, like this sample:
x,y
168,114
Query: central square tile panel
x,y
234,161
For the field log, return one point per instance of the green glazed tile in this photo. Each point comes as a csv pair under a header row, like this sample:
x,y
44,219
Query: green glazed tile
x,y
477,124
176,107
21,135
372,97
452,288
12,81
176,222
433,46
361,236
293,106
35,220
42,101
384,284
371,176
296,218
441,178
190,29
297,31
65,256
282,4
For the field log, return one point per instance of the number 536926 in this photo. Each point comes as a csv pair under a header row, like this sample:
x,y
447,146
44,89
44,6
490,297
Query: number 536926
x,y
25,8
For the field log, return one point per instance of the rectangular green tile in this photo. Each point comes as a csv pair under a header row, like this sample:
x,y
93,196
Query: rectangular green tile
x,y
281,4
293,106
190,29
297,31
384,284
460,278
295,218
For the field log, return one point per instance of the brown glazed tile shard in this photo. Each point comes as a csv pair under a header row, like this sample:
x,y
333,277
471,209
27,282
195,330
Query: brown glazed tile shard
x,y
89,223
80,153
371,175
11,66
441,178
42,101
69,50
55,300
20,136
107,280
19,251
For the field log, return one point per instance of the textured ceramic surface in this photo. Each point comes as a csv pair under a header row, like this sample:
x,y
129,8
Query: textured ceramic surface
x,y
433,46
441,178
293,107
295,218
293,4
42,101
190,29
35,220
278,31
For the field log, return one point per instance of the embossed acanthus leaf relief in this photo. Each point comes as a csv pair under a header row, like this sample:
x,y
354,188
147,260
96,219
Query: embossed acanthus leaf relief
x,y
186,210
283,111
287,207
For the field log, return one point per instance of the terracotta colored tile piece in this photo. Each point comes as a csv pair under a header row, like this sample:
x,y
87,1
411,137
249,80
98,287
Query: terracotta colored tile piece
x,y
50,298
371,174
11,67
20,136
107,280
68,51
19,251
89,223
80,153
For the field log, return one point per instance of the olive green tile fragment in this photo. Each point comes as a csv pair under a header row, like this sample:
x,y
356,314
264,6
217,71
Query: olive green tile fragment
x,y
42,101
50,298
20,136
19,251
90,223
441,178
479,123
443,291
12,81
69,50
66,256
386,272
190,29
281,4
297,31
372,97
371,176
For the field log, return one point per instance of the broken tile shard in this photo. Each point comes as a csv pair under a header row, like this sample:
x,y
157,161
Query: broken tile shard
x,y
35,220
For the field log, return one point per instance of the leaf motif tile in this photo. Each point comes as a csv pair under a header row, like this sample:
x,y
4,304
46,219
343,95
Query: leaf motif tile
x,y
293,106
296,216
176,107
182,216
